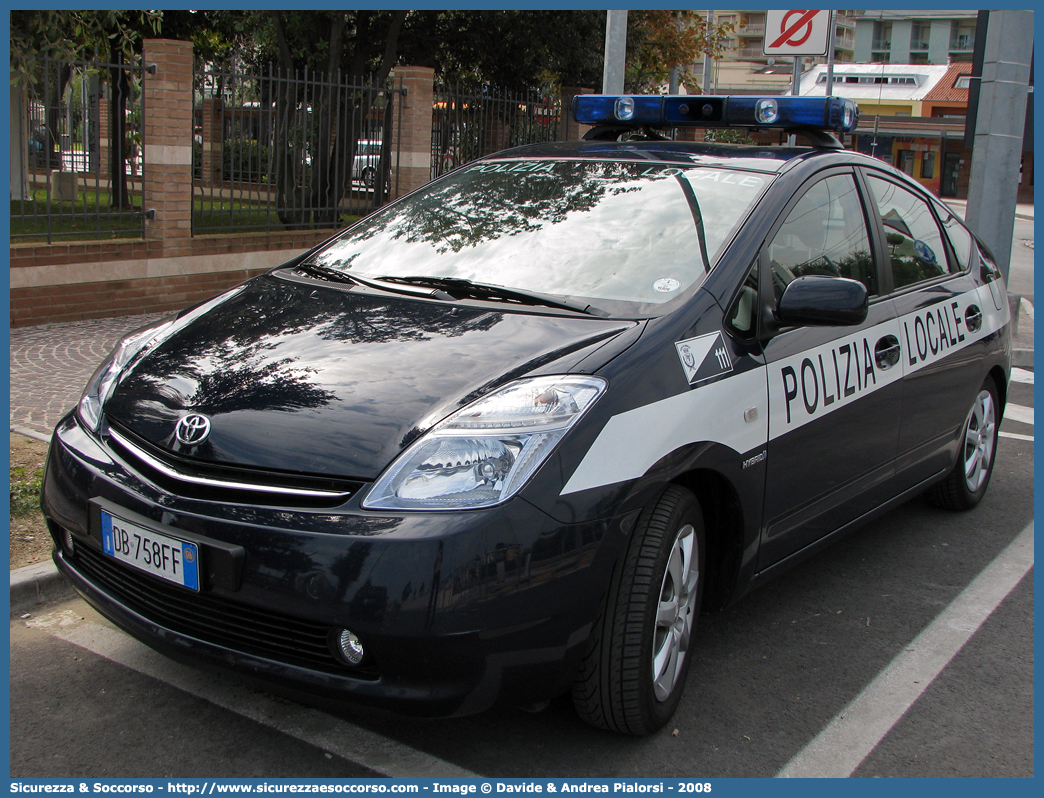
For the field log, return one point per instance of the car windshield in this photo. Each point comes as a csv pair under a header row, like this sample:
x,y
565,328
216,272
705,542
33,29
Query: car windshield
x,y
607,231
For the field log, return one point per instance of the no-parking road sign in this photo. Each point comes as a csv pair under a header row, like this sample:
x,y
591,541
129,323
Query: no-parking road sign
x,y
796,33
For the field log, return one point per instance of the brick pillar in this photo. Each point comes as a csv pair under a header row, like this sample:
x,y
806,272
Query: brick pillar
x,y
213,141
411,136
103,136
568,129
496,135
168,142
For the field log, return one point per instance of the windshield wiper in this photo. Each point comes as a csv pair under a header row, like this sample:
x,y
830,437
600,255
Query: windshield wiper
x,y
338,276
488,291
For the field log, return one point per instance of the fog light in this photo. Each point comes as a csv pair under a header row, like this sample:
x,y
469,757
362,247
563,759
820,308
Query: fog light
x,y
351,649
67,540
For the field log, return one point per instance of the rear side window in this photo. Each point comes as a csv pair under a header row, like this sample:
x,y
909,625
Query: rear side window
x,y
914,242
960,238
824,234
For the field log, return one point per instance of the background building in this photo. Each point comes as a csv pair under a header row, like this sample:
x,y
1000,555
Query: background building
x,y
913,37
910,115
888,37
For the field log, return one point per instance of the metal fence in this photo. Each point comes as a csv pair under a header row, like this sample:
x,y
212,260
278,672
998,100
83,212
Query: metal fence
x,y
279,151
469,124
79,125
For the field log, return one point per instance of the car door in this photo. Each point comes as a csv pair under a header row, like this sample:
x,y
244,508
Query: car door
x,y
932,260
834,392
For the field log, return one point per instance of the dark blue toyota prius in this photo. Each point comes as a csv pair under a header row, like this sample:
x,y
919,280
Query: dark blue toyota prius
x,y
507,436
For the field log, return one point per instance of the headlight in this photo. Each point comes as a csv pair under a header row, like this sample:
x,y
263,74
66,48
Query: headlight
x,y
485,452
101,383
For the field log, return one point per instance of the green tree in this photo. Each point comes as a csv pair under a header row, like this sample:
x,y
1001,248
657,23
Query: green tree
x,y
658,41
74,36
514,50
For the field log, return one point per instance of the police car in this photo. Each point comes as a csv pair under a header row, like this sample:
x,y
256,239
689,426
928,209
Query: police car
x,y
506,437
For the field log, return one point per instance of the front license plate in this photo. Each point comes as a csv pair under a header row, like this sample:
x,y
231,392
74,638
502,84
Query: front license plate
x,y
175,560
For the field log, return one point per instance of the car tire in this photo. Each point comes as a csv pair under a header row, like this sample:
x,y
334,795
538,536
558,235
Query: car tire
x,y
966,484
368,174
637,656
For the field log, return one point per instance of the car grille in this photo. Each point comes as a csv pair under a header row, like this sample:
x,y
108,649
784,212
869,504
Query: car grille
x,y
200,479
215,619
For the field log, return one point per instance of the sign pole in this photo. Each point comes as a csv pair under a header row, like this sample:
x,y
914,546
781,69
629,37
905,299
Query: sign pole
x,y
795,89
831,38
797,33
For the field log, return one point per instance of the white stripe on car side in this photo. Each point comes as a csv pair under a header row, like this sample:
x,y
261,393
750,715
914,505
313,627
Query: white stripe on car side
x,y
631,442
804,387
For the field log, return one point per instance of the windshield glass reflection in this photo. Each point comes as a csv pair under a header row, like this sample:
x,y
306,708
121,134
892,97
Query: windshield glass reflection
x,y
592,229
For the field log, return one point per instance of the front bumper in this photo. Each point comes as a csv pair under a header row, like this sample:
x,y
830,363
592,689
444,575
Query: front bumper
x,y
456,610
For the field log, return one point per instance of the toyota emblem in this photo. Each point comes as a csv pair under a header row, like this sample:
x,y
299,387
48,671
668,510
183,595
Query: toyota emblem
x,y
192,429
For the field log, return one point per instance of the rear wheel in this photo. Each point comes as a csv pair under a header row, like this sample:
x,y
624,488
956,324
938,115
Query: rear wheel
x,y
638,655
966,484
368,176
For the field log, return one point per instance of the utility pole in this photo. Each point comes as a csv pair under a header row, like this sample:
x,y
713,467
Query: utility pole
x,y
615,52
999,126
708,62
672,85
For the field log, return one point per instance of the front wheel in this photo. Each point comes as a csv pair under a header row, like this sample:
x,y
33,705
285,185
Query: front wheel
x,y
966,484
638,654
369,175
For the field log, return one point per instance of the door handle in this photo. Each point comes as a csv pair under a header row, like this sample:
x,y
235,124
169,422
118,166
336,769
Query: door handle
x,y
887,352
973,318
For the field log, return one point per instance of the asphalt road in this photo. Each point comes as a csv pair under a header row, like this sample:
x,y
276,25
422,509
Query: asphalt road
x,y
769,675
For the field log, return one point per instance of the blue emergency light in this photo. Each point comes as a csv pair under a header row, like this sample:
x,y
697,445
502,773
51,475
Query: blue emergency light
x,y
686,110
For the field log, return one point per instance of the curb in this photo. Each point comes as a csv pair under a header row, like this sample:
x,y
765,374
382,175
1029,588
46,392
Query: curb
x,y
36,584
31,433
1022,358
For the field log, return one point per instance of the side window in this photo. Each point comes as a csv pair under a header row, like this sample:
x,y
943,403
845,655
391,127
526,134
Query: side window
x,y
825,234
915,245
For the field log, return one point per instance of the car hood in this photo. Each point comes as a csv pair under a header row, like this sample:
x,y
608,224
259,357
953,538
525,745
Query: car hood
x,y
320,379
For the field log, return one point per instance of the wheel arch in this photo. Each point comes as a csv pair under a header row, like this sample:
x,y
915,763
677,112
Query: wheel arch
x,y
1000,379
724,526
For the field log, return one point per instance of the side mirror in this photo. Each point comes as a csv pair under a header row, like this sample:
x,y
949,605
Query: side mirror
x,y
819,301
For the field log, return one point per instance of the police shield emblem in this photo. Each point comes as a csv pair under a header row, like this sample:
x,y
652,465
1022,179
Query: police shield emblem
x,y
704,357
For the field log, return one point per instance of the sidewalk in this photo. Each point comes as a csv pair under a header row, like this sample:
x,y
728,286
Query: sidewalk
x,y
51,363
1022,210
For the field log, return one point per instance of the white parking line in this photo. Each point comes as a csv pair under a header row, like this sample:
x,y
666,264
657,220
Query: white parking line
x,y
849,738
369,749
1016,436
1024,415
1024,376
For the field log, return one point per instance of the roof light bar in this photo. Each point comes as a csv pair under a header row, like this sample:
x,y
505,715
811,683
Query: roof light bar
x,y
795,113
